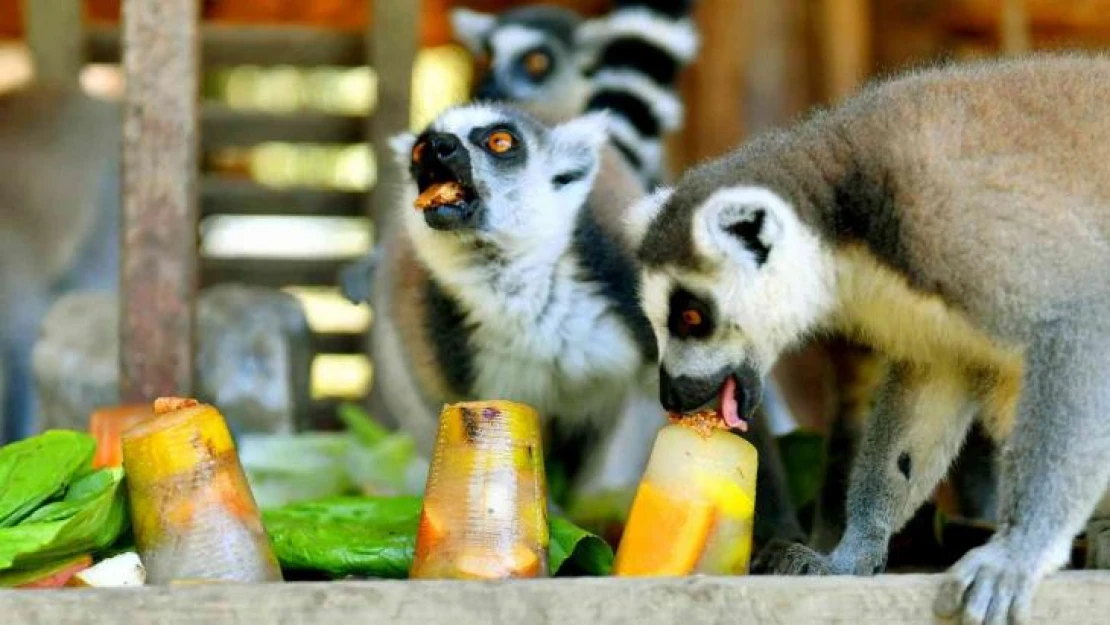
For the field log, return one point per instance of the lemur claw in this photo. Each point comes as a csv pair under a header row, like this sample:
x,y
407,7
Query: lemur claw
x,y
988,586
780,557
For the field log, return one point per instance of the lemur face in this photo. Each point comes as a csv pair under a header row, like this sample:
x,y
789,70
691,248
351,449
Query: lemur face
x,y
527,56
521,181
730,279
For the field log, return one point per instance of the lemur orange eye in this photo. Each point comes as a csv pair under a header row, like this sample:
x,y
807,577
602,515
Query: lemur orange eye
x,y
537,63
691,317
500,142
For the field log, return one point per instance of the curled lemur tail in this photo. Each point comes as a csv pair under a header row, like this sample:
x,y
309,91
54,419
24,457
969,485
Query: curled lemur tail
x,y
641,48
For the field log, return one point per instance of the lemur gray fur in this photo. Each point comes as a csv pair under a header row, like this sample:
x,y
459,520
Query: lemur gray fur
x,y
59,221
956,220
553,62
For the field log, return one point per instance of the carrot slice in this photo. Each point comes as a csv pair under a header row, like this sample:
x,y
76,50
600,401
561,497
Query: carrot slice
x,y
107,426
664,536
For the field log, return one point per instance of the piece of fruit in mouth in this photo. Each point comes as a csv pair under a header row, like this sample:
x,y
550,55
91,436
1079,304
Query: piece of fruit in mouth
x,y
440,194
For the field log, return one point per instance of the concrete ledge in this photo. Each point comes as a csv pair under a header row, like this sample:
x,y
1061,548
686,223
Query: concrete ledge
x,y
1064,599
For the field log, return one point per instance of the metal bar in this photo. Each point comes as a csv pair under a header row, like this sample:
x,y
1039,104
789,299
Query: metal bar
x,y
243,197
251,45
158,259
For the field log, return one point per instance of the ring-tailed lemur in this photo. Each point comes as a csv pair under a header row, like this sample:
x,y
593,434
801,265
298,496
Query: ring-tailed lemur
x,y
957,220
522,289
551,61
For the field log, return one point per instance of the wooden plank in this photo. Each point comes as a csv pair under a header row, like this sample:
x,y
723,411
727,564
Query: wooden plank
x,y
845,38
54,38
339,342
391,48
1014,27
224,127
775,70
244,197
272,272
251,45
1071,598
158,258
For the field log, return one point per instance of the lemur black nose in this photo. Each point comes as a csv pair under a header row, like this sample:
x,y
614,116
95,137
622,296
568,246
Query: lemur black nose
x,y
445,146
683,393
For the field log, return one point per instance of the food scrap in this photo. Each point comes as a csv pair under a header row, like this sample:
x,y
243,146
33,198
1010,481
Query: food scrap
x,y
440,194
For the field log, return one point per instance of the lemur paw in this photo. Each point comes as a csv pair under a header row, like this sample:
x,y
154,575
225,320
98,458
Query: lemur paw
x,y
1098,544
989,586
780,557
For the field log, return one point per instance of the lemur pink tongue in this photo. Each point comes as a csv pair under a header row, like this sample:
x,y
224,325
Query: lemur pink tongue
x,y
730,411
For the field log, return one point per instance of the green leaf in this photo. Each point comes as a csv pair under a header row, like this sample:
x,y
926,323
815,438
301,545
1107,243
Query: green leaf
x,y
91,517
575,552
803,457
376,537
19,577
37,469
368,431
368,536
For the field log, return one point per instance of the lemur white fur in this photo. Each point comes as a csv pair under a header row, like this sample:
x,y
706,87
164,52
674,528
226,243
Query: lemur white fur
x,y
956,220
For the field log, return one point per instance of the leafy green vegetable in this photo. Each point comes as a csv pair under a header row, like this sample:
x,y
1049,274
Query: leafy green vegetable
x,y
804,458
376,537
373,537
10,579
90,517
367,459
38,469
575,552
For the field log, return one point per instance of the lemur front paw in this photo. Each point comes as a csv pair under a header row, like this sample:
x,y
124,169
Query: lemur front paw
x,y
781,557
1098,544
991,586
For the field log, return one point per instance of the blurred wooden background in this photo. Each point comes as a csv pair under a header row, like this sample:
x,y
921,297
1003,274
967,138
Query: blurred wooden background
x,y
763,61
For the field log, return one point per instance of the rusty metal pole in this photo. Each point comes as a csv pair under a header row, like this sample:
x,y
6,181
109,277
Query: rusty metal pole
x,y
158,265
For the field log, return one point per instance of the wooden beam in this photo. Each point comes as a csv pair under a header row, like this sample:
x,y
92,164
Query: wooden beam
x,y
1014,27
223,127
775,70
845,39
243,197
252,45
54,38
391,48
1072,598
272,272
158,259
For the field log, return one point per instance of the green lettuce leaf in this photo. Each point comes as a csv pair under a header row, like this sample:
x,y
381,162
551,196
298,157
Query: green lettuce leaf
x,y
37,469
91,517
376,537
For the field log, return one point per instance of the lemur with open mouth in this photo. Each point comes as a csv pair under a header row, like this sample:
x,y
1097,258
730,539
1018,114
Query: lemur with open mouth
x,y
957,221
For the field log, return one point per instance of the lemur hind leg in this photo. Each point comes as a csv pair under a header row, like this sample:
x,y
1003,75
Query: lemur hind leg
x,y
921,416
1054,470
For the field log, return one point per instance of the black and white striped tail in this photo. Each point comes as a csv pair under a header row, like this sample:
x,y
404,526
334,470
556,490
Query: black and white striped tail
x,y
642,46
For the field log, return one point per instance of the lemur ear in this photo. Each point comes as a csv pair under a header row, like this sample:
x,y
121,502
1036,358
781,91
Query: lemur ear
x,y
574,148
471,28
588,39
745,223
401,146
642,213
